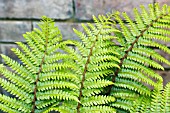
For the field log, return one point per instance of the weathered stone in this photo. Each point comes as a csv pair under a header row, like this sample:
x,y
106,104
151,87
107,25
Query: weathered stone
x,y
162,2
6,50
59,9
11,31
86,8
67,29
165,75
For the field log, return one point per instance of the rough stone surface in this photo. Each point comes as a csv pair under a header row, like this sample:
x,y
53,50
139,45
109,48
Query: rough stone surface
x,y
6,50
11,31
162,2
66,29
59,9
86,8
165,75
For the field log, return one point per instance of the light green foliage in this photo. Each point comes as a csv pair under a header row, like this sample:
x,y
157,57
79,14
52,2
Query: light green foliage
x,y
159,102
94,60
108,71
139,60
36,83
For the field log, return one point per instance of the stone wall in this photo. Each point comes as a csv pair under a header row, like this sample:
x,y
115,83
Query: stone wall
x,y
20,16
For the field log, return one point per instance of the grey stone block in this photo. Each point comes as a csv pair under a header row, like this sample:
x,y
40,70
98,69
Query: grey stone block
x,y
162,2
66,29
59,9
86,8
165,75
6,50
11,31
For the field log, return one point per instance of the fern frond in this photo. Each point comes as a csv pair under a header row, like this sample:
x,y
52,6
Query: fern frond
x,y
60,75
91,65
165,102
132,85
123,104
149,53
141,104
28,53
158,102
97,75
136,76
138,40
21,82
15,104
36,83
46,103
97,100
92,92
56,94
18,92
98,109
42,86
21,70
7,109
97,84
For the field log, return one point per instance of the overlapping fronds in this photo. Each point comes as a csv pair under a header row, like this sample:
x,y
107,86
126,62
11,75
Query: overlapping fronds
x,y
108,71
95,58
40,81
160,102
139,38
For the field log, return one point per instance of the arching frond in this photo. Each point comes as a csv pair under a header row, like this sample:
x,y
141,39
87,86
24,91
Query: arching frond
x,y
139,58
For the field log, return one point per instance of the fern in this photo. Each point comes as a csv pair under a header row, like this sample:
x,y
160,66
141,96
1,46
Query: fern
x,y
109,71
136,66
92,66
159,102
36,84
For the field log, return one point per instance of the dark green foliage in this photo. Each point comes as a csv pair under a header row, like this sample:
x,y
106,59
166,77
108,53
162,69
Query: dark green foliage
x,y
109,71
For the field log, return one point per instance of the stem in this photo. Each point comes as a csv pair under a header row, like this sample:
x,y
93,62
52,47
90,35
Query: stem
x,y
84,73
130,49
40,70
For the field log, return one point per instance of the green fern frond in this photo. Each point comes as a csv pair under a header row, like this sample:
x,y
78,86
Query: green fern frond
x,y
97,100
21,70
165,102
98,109
142,104
8,109
97,84
122,104
36,83
138,40
97,75
158,102
92,65
15,104
132,85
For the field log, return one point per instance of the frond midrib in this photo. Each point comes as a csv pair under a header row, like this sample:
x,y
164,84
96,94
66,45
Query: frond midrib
x,y
130,49
40,70
84,72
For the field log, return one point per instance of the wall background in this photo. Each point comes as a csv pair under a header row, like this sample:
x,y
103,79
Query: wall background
x,y
20,16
